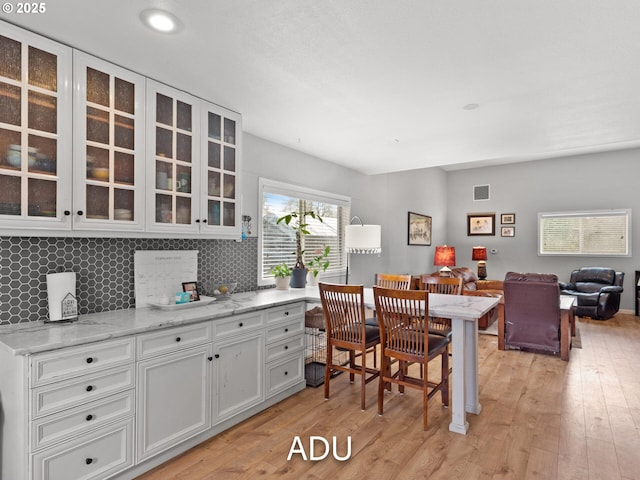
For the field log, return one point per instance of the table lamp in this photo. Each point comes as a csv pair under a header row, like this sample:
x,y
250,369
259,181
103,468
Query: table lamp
x,y
479,254
361,239
445,257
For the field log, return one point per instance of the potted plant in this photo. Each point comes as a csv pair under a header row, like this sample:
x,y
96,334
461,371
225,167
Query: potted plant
x,y
317,264
282,274
297,221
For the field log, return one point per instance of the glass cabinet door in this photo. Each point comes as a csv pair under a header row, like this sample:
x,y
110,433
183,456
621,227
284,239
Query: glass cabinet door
x,y
109,142
221,167
35,128
172,160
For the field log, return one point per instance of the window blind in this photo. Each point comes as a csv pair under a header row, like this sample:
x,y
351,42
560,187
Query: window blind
x,y
278,240
597,233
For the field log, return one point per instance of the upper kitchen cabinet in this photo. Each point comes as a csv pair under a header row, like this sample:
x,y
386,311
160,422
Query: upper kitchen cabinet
x,y
108,154
35,131
173,163
221,145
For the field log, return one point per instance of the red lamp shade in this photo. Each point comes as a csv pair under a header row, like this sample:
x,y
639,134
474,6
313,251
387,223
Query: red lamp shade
x,y
479,253
445,256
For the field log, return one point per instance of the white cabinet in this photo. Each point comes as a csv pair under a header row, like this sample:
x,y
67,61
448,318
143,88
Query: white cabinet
x,y
237,377
35,131
174,382
97,456
173,152
81,413
173,399
220,172
284,361
120,407
108,150
125,155
193,165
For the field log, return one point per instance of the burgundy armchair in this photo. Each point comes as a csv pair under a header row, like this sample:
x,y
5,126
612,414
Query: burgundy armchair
x,y
532,312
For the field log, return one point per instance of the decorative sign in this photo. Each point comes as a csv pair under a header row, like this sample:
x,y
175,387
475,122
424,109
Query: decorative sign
x,y
69,307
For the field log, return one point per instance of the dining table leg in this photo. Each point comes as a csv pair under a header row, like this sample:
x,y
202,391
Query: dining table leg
x,y
464,374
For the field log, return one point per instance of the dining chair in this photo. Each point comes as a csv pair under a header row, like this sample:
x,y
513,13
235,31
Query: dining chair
x,y
403,316
445,286
388,280
343,307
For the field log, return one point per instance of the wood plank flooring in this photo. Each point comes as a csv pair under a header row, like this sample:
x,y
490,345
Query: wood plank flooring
x,y
541,418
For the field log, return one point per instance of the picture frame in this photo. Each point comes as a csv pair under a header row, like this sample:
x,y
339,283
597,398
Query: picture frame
x,y
508,218
419,229
508,231
192,288
481,224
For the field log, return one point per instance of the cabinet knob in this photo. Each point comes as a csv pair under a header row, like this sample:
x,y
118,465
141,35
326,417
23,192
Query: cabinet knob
x,y
204,221
217,355
286,330
67,212
89,388
197,220
178,339
80,212
286,313
89,417
88,461
90,360
241,324
286,373
286,347
210,358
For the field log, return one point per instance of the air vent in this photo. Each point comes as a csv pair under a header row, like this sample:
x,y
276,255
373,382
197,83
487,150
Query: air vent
x,y
480,192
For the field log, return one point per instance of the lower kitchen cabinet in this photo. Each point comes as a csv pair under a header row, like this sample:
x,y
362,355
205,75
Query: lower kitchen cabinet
x,y
117,408
237,378
173,399
96,456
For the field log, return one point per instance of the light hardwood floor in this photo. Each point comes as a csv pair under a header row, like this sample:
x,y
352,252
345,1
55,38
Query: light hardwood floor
x,y
542,418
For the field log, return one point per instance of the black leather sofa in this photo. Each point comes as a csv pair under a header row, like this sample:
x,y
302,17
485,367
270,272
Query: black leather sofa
x,y
597,291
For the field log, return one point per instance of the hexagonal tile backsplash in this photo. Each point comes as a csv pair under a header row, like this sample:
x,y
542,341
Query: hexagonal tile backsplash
x,y
104,268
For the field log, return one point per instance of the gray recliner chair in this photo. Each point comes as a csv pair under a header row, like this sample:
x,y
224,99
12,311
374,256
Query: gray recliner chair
x,y
597,291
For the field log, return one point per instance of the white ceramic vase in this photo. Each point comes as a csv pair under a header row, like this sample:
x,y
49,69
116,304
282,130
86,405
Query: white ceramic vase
x,y
312,280
282,283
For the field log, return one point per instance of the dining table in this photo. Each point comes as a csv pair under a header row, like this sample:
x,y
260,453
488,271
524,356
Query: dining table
x,y
464,312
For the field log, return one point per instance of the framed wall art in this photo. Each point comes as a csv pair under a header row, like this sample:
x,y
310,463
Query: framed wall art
x,y
419,231
508,218
508,231
481,224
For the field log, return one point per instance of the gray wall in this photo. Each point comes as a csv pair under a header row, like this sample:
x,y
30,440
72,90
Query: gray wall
x,y
585,182
378,199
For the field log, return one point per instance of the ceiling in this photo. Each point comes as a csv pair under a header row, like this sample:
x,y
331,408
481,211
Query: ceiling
x,y
382,86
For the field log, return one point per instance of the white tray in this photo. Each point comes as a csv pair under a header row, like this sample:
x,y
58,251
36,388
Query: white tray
x,y
178,306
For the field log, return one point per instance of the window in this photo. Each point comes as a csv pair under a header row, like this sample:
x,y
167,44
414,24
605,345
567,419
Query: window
x,y
277,242
597,233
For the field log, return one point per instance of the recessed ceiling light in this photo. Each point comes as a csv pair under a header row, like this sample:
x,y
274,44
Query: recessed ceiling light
x,y
471,106
160,20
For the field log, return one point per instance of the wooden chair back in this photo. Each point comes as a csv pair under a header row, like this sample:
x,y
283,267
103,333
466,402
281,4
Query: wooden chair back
x,y
404,336
443,285
401,314
390,280
343,307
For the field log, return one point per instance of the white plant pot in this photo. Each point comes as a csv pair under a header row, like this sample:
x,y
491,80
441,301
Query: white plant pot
x,y
282,283
312,280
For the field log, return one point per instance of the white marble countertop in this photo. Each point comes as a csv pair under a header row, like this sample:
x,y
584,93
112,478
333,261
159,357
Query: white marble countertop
x,y
35,337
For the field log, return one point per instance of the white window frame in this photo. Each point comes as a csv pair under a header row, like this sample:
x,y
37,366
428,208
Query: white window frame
x,y
584,228
266,185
